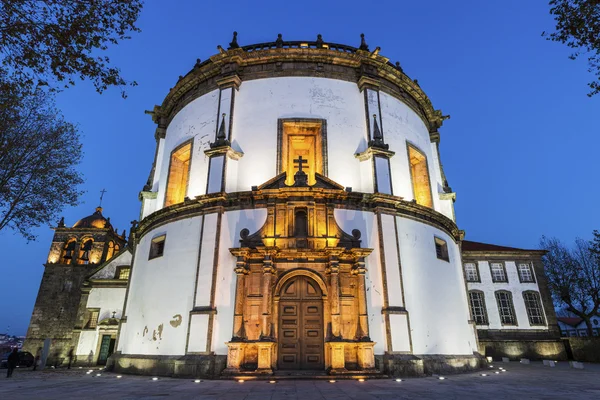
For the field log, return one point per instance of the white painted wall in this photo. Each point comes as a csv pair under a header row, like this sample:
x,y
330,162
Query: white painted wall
x,y
107,300
162,288
434,291
196,121
232,223
88,340
109,270
260,103
402,125
366,223
514,286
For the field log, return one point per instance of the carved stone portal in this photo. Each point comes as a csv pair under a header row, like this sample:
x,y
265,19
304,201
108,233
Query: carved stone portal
x,y
300,295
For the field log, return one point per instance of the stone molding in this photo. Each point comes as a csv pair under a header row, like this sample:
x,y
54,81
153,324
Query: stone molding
x,y
372,151
258,199
231,67
224,150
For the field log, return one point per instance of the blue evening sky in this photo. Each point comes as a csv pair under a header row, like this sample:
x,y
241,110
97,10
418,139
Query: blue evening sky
x,y
520,149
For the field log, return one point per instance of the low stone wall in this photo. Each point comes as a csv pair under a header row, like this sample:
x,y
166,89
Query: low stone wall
x,y
585,349
209,366
398,365
517,349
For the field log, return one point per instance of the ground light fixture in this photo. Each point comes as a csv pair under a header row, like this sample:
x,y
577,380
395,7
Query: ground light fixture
x,y
119,376
361,380
398,380
155,379
272,381
441,378
332,381
484,375
197,381
497,372
241,381
98,374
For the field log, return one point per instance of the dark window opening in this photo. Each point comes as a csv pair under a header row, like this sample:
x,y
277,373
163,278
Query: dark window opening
x,y
157,247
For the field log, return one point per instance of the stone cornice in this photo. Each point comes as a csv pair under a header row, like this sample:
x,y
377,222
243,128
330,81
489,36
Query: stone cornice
x,y
231,67
372,202
224,150
373,151
503,255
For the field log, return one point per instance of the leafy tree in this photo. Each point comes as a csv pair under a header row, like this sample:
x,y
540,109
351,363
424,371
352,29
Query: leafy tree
x,y
39,152
51,42
574,276
578,26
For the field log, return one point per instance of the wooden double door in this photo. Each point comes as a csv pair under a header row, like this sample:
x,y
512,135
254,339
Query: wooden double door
x,y
301,332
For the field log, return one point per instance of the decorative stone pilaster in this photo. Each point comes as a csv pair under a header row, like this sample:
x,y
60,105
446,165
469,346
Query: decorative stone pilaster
x,y
265,357
366,356
337,361
267,294
235,357
362,330
220,151
241,270
334,270
378,151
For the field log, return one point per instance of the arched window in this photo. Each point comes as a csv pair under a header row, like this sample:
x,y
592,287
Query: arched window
x,y
110,250
506,308
478,310
419,174
85,250
68,251
533,305
179,171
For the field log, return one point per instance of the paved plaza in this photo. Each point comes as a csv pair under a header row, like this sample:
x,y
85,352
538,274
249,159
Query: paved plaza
x,y
533,381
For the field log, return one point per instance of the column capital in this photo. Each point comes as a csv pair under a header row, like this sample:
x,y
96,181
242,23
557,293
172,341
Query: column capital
x,y
367,82
229,81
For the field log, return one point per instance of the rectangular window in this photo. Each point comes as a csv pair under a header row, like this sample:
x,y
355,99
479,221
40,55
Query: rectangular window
x,y
179,170
301,138
123,273
525,272
478,310
419,173
498,272
157,247
533,305
506,308
93,323
441,249
471,272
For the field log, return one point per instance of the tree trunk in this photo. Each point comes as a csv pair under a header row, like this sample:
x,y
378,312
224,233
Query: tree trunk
x,y
588,324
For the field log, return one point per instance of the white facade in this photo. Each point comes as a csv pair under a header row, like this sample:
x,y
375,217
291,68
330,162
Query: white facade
x,y
179,285
512,285
258,106
105,299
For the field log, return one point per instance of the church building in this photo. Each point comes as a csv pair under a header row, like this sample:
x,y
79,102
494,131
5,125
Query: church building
x,y
297,218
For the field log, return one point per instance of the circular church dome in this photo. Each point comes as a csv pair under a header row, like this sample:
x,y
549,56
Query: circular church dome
x,y
96,220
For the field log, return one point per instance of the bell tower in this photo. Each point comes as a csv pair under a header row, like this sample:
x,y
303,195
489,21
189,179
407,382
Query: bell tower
x,y
75,253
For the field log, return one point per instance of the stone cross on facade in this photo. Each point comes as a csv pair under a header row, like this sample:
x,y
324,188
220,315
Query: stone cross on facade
x,y
102,196
300,161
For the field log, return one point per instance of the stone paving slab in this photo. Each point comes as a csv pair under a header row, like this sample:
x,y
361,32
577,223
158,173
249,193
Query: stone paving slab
x,y
533,381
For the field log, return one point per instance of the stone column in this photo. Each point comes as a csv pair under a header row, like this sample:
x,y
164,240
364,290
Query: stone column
x,y
334,270
267,294
362,331
241,270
